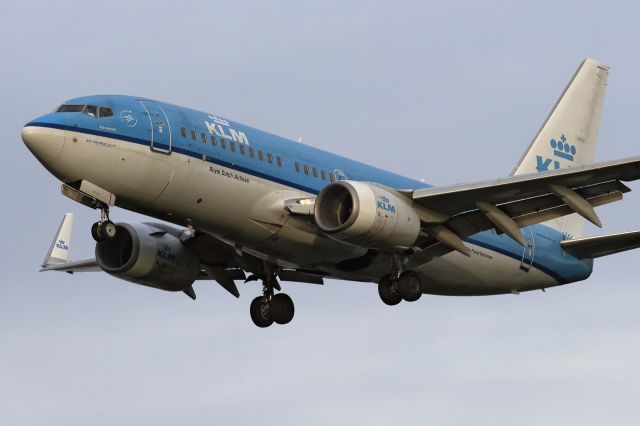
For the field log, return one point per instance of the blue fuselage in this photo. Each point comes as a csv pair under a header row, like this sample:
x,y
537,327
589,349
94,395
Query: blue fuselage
x,y
168,128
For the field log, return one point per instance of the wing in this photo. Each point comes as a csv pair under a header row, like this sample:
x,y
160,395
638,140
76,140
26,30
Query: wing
x,y
453,213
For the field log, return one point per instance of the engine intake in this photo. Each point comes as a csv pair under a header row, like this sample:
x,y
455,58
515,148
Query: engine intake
x,y
367,215
150,256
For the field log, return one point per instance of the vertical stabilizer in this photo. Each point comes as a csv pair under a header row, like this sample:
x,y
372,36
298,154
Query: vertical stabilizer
x,y
569,135
59,250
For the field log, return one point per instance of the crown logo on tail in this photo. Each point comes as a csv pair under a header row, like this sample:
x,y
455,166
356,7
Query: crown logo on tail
x,y
562,148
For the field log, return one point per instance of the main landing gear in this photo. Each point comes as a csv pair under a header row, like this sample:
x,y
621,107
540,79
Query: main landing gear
x,y
104,229
406,287
270,307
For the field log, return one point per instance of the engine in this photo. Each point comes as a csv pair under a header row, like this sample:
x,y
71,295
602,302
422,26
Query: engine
x,y
366,215
148,255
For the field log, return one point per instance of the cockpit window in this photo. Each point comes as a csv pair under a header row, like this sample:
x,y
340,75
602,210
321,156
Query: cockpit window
x,y
105,112
91,110
70,108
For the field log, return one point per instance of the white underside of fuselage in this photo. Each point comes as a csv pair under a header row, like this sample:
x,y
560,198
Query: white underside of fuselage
x,y
249,212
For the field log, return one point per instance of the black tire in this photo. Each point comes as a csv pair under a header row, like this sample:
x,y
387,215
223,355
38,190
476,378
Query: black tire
x,y
108,230
95,232
409,286
281,308
259,310
388,291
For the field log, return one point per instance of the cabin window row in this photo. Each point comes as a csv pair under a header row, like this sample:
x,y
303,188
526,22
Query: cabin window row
x,y
307,170
233,146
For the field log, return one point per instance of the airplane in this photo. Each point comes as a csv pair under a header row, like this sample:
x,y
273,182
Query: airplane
x,y
237,203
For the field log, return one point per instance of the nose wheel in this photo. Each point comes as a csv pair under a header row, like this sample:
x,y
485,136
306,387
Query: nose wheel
x,y
104,229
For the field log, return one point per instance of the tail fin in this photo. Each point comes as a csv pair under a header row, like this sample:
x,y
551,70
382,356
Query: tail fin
x,y
569,135
59,250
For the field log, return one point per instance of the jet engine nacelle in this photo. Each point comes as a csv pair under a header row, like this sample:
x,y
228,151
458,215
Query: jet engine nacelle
x,y
366,215
147,255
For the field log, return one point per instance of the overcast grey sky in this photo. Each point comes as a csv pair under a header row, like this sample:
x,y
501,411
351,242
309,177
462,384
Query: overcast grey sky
x,y
445,91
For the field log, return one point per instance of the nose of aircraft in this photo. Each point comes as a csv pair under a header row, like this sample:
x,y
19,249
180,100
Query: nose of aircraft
x,y
45,138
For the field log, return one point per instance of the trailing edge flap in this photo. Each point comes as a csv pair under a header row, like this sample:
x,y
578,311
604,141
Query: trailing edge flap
x,y
605,245
300,277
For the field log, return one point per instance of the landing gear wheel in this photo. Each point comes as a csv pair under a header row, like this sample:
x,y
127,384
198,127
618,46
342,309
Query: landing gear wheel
x,y
388,291
95,232
259,311
108,230
281,308
409,286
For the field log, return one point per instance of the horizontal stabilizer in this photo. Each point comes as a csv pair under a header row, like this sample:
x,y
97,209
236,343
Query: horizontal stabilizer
x,y
592,247
86,265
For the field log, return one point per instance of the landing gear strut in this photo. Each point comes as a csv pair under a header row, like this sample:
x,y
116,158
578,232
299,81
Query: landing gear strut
x,y
104,229
270,308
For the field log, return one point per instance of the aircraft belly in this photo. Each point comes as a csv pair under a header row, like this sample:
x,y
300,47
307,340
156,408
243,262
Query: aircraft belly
x,y
300,242
485,272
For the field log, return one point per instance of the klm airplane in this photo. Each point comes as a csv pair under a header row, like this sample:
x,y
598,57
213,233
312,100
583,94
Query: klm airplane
x,y
248,205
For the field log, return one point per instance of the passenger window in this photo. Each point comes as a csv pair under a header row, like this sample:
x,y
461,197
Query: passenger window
x,y
270,158
297,167
332,178
306,170
105,112
232,145
242,149
315,172
194,135
203,137
91,110
323,175
183,132
279,160
213,140
251,152
223,144
260,155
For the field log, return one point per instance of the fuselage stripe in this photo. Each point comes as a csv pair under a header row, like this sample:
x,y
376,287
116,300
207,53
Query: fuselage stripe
x,y
182,151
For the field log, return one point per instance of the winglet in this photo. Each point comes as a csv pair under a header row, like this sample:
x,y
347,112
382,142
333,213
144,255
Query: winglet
x,y
59,250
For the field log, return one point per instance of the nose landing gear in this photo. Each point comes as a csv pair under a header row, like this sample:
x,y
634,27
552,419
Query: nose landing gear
x,y
104,229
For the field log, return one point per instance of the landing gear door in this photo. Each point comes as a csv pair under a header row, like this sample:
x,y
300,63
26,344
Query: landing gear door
x,y
160,128
528,252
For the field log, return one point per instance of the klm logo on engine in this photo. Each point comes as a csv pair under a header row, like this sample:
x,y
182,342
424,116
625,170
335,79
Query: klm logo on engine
x,y
62,245
385,204
226,132
561,150
165,253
